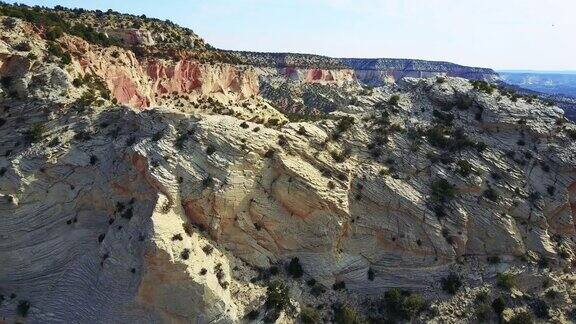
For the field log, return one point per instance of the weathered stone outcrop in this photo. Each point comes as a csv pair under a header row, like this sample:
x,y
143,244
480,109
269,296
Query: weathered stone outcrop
x,y
132,36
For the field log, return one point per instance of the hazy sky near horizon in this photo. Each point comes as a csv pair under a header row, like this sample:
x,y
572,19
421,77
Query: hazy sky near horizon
x,y
501,34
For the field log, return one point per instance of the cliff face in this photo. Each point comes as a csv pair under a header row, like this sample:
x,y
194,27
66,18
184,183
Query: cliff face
x,y
141,83
373,72
377,71
143,189
145,82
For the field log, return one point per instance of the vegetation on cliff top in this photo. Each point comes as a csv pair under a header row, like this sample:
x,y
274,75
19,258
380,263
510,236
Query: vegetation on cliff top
x,y
93,27
54,25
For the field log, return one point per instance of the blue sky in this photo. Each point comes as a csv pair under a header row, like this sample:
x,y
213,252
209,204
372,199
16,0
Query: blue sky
x,y
501,34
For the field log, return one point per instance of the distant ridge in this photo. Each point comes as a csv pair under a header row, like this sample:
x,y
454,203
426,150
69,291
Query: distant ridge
x,y
372,71
567,72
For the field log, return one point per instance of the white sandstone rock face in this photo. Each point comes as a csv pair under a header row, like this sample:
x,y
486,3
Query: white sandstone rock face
x,y
140,212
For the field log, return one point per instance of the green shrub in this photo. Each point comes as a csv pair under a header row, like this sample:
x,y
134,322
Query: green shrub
x,y
294,268
443,117
54,33
9,23
464,103
340,157
181,139
481,146
483,86
452,283
36,133
317,290
412,305
6,81
55,50
88,97
269,154
252,315
93,160
157,136
493,259
344,124
371,274
128,213
442,191
498,305
23,47
282,141
482,296
273,122
23,307
506,280
77,82
207,249
540,309
464,168
278,296
552,293
347,315
491,194
340,285
571,133
446,138
402,305
394,100
185,254
95,86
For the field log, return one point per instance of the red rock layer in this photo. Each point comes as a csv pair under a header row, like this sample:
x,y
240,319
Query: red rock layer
x,y
318,75
138,84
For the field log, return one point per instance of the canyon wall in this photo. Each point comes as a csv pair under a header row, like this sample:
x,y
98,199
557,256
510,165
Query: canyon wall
x,y
140,82
373,72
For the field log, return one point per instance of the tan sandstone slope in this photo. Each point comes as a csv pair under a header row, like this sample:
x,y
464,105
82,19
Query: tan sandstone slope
x,y
167,189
